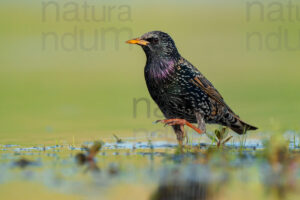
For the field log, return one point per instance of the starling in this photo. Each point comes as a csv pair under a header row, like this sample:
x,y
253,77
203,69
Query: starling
x,y
181,92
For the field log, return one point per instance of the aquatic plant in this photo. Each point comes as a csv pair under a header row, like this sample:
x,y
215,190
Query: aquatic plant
x,y
221,136
88,158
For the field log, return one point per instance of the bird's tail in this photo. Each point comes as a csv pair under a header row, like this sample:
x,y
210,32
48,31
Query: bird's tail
x,y
241,127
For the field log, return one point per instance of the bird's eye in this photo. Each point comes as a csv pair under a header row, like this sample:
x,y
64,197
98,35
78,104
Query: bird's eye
x,y
153,40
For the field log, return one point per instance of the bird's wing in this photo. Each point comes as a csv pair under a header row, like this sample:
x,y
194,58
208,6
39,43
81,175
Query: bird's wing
x,y
197,79
208,88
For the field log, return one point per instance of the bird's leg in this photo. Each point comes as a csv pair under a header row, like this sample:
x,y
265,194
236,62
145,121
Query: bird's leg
x,y
180,134
180,122
201,122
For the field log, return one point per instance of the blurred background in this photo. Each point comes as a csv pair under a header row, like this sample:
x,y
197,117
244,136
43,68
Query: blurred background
x,y
66,72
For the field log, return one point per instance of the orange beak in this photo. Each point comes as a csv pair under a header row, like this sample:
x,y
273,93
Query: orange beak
x,y
138,41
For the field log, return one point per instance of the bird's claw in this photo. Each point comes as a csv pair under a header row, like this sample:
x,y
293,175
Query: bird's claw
x,y
170,123
180,122
165,122
162,121
157,121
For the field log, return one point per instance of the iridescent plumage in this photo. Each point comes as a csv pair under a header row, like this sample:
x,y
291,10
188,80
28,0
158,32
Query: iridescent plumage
x,y
180,90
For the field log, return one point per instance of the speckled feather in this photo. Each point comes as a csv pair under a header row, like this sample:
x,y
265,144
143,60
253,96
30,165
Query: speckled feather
x,y
180,90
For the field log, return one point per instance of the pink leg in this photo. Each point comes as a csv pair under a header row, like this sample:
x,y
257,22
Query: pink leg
x,y
180,122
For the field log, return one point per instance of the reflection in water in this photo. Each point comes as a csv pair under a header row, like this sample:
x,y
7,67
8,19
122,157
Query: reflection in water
x,y
194,182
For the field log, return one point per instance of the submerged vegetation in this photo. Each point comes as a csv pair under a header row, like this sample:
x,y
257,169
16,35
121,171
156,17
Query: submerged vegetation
x,y
219,170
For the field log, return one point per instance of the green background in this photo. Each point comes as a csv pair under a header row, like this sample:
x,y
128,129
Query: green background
x,y
48,94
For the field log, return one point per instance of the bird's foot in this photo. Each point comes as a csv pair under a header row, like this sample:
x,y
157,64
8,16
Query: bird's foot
x,y
180,122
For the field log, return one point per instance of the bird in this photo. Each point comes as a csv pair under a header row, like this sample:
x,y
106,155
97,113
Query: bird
x,y
183,94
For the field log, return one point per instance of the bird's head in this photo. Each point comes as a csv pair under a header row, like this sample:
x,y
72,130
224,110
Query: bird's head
x,y
156,44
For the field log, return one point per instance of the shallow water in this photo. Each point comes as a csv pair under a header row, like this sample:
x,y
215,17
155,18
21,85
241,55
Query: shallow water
x,y
153,165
